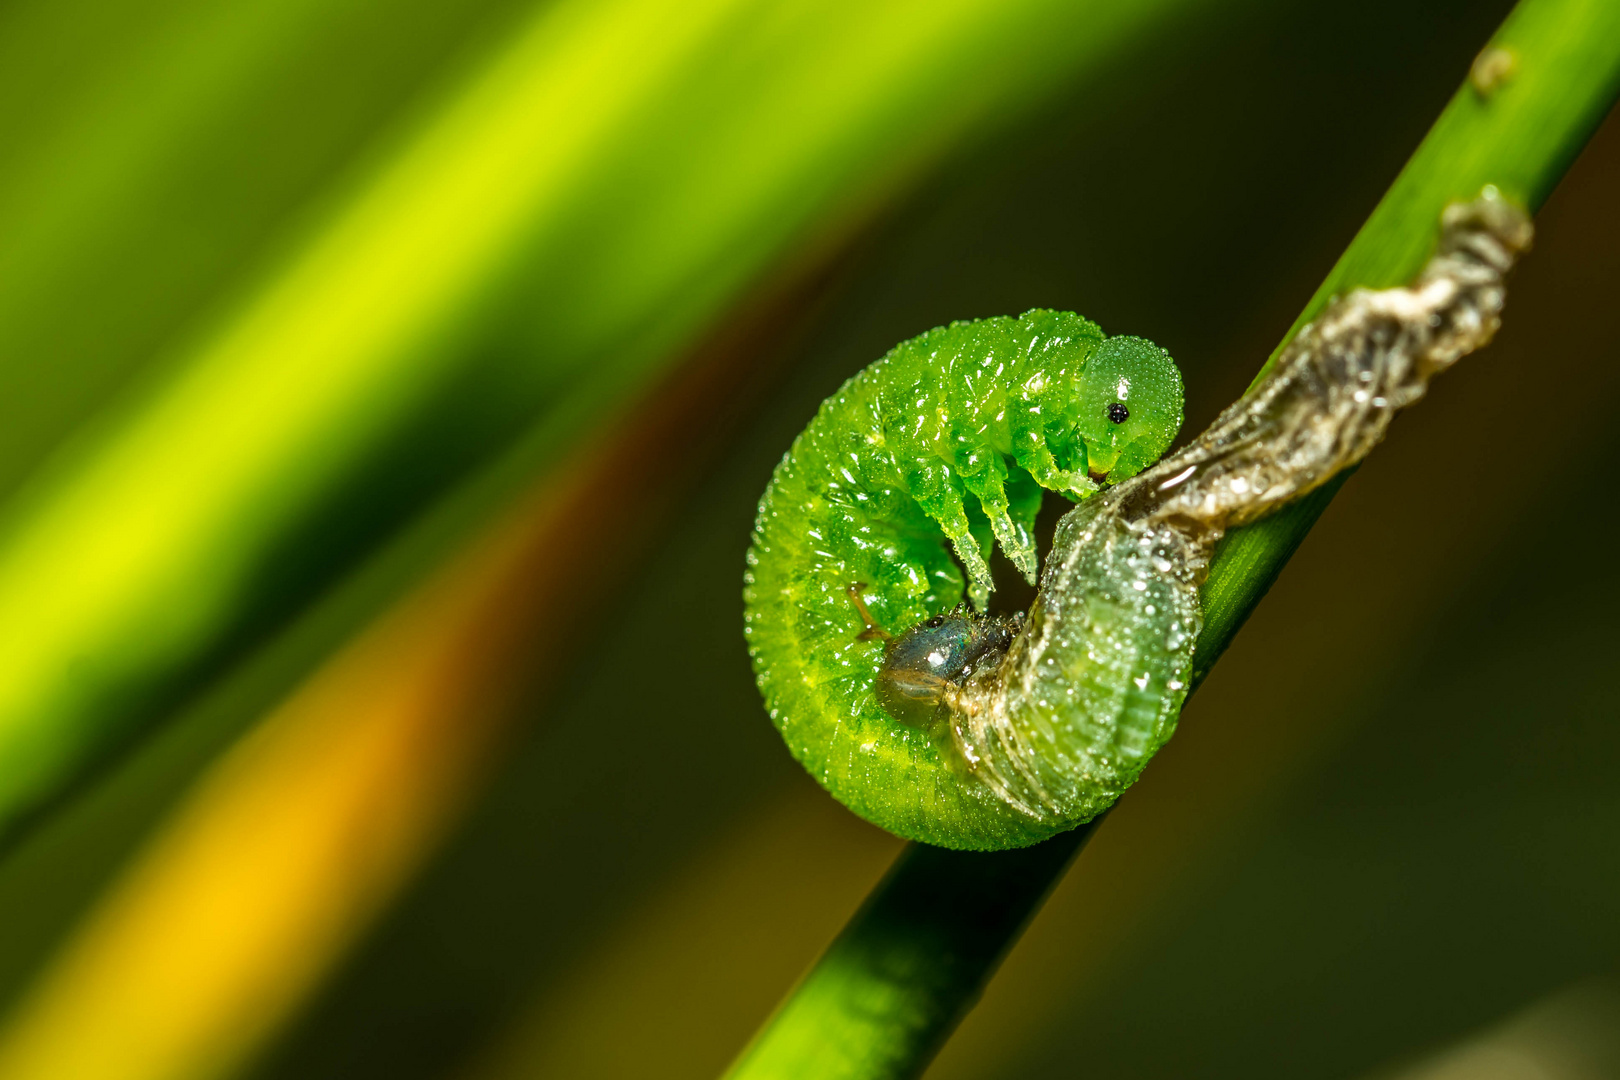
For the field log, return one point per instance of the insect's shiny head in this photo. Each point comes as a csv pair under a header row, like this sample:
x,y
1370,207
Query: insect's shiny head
x,y
1129,408
922,665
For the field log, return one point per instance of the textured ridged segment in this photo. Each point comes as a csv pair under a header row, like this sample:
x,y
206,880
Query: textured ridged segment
x,y
1093,686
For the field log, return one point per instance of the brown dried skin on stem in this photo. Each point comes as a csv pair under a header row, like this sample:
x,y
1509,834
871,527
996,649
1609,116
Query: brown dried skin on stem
x,y
1333,392
1093,685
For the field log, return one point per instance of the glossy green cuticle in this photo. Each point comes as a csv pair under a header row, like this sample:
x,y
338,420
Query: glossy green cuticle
x,y
945,444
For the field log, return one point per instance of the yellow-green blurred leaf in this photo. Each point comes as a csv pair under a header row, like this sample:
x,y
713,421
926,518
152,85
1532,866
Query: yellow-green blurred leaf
x,y
523,258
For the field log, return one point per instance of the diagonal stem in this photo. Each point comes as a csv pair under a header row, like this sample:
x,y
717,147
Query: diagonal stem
x,y
888,992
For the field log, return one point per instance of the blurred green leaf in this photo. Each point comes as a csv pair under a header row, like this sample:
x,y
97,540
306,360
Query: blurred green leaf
x,y
154,152
528,254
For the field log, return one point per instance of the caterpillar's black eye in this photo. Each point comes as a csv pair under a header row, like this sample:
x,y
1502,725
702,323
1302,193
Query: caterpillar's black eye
x,y
936,622
1118,413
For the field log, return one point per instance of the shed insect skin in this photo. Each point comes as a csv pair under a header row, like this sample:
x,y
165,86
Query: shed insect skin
x,y
1114,626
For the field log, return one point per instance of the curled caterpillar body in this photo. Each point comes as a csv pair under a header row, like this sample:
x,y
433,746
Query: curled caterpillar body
x,y
945,443
1026,743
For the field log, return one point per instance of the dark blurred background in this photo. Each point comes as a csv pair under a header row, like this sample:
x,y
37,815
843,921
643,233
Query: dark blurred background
x,y
1388,822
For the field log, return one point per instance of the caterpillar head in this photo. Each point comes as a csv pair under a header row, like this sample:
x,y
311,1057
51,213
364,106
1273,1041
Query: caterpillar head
x,y
1129,408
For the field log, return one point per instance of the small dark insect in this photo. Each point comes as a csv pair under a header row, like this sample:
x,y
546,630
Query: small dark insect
x,y
925,665
1118,413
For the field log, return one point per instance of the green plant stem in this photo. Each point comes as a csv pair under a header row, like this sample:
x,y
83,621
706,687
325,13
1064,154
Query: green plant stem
x,y
888,992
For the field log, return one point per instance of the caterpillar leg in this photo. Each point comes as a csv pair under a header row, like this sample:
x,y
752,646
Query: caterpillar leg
x,y
1037,458
973,547
1016,537
939,493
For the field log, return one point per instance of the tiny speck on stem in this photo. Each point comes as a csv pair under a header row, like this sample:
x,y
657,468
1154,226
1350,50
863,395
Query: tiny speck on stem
x,y
1492,67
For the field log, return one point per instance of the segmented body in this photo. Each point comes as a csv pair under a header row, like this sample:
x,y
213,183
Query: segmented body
x,y
951,437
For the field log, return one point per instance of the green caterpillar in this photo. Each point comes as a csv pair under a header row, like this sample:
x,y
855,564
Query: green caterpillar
x,y
951,437
972,731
